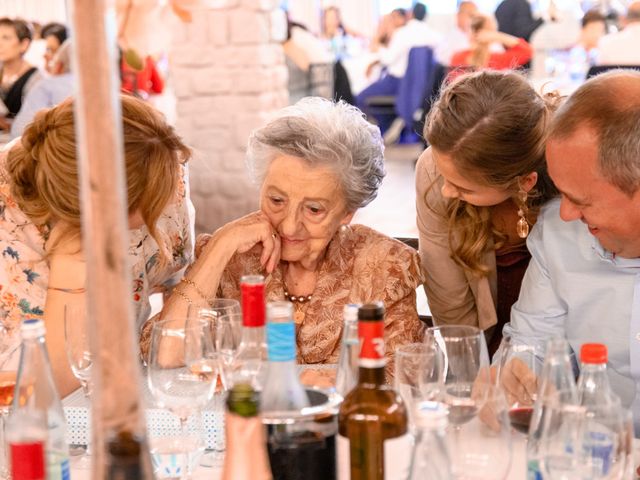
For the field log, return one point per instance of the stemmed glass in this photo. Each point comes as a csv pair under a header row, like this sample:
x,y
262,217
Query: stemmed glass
x,y
418,370
183,366
76,336
526,361
224,322
479,435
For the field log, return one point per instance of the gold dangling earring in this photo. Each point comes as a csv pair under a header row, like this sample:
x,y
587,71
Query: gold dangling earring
x,y
522,227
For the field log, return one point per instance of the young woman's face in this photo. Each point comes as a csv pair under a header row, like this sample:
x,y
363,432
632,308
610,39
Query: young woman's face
x,y
466,187
11,47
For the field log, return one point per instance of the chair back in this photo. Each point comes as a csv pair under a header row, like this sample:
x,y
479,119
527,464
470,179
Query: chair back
x,y
416,84
598,69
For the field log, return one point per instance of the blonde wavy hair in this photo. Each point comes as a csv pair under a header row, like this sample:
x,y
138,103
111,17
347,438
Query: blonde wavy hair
x,y
493,125
43,172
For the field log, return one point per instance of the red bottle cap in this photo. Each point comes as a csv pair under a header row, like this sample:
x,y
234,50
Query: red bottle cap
x,y
593,353
371,334
253,309
27,460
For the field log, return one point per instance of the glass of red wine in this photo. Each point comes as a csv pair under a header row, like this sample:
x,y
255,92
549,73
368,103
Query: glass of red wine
x,y
518,372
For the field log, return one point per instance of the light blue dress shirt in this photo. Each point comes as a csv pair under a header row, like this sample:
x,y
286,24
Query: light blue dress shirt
x,y
573,288
48,92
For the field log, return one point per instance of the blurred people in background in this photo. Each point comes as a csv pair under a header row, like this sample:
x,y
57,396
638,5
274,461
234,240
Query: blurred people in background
x,y
584,54
35,53
340,41
515,18
482,54
54,35
17,76
143,81
416,33
458,38
388,24
49,91
621,48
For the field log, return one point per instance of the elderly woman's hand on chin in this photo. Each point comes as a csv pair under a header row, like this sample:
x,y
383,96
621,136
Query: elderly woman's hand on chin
x,y
251,231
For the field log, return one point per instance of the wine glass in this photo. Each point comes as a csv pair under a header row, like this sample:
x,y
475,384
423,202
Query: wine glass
x,y
417,376
223,315
560,443
182,367
76,336
479,434
465,362
520,365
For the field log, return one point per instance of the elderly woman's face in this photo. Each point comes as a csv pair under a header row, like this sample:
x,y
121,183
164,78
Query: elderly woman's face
x,y
305,205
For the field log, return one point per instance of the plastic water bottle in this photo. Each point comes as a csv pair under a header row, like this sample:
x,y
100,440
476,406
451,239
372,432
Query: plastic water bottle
x,y
37,421
347,374
282,391
603,423
557,376
431,455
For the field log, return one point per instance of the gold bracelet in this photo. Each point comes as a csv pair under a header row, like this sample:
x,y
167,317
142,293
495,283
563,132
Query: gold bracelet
x,y
68,290
183,295
196,288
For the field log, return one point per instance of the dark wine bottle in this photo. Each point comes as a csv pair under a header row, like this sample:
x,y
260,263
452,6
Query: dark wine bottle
x,y
373,439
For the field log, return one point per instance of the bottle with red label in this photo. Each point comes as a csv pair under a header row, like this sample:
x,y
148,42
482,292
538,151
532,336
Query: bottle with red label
x,y
373,439
250,361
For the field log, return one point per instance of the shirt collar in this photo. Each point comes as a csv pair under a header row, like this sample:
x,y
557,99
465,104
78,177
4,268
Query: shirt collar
x,y
611,257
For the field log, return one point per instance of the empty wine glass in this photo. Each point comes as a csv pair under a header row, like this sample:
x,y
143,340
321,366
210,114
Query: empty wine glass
x,y
465,362
225,328
560,443
520,365
76,336
417,375
182,367
479,434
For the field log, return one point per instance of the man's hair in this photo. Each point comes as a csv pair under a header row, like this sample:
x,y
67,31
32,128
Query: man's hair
x,y
419,11
592,16
399,11
609,105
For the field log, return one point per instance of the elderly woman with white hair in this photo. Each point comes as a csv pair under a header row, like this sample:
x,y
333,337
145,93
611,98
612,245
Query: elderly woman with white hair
x,y
316,163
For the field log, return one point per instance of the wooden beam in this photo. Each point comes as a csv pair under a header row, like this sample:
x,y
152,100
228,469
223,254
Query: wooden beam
x,y
116,398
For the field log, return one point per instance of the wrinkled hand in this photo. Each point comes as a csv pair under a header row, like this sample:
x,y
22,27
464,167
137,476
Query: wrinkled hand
x,y
244,234
519,382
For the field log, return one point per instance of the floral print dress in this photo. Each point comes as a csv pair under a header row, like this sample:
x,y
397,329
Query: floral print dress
x,y
24,269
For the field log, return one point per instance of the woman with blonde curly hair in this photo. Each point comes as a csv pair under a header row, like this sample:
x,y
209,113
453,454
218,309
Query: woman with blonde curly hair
x,y
42,266
479,186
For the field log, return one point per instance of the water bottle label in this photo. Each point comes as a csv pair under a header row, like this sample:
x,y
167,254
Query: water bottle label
x,y
281,341
533,470
58,467
599,449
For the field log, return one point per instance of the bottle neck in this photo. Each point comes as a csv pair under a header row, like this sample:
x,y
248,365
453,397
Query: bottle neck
x,y
371,376
252,336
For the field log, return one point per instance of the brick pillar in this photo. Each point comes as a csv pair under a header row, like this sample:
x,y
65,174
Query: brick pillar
x,y
229,76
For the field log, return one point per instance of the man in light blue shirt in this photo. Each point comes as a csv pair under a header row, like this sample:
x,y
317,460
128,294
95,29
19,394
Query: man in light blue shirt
x,y
48,92
583,282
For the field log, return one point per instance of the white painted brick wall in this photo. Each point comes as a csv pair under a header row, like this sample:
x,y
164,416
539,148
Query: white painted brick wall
x,y
229,76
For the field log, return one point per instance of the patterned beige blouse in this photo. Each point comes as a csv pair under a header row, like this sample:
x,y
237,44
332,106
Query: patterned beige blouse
x,y
360,266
